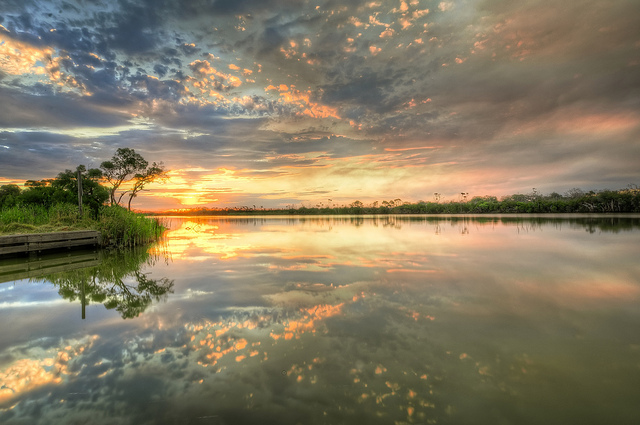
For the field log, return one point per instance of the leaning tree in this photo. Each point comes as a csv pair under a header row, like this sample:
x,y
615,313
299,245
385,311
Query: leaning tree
x,y
125,164
128,173
155,172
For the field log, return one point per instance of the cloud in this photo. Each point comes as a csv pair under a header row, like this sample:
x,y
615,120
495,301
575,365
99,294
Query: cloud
x,y
160,69
358,75
34,155
369,90
136,28
147,87
236,7
270,41
19,109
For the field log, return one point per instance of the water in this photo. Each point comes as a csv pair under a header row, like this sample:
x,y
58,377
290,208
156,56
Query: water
x,y
334,320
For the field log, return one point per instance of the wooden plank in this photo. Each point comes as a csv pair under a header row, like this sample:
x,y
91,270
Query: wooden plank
x,y
12,244
45,237
14,249
41,246
13,239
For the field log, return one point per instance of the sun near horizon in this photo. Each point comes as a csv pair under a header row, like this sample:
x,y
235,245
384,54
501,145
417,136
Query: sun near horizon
x,y
300,103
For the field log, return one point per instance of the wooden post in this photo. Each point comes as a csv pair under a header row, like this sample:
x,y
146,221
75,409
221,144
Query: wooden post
x,y
80,193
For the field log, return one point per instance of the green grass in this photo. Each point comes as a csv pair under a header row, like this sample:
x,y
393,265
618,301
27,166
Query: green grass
x,y
118,226
121,227
33,218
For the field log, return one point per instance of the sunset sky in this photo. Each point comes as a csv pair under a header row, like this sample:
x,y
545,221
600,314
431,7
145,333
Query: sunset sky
x,y
279,102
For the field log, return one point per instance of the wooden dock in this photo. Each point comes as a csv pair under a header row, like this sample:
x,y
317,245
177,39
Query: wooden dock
x,y
36,242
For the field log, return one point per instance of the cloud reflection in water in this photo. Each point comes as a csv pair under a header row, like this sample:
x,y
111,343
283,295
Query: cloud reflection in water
x,y
342,320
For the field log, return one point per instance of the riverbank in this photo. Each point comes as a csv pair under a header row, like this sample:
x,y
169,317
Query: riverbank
x,y
118,227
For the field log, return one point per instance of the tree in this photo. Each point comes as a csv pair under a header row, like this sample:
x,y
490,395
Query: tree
x,y
94,195
554,196
40,193
574,193
8,195
123,166
153,173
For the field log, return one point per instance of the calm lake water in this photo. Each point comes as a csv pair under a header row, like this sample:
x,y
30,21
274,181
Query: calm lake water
x,y
332,320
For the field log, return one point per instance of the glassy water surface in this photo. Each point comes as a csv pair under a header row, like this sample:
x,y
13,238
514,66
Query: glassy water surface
x,y
331,320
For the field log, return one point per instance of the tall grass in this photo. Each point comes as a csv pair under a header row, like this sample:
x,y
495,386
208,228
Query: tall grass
x,y
27,214
123,228
35,218
118,226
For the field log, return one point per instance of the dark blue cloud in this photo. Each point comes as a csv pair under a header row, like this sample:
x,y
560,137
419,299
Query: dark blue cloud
x,y
235,7
136,29
207,118
188,49
19,109
145,87
39,154
270,41
160,69
373,90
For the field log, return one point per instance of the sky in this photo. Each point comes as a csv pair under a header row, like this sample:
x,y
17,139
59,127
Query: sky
x,y
292,102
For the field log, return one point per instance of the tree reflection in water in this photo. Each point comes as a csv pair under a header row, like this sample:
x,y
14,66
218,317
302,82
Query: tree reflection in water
x,y
118,282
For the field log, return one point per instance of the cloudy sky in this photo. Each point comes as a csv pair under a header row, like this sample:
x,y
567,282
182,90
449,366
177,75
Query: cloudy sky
x,y
278,102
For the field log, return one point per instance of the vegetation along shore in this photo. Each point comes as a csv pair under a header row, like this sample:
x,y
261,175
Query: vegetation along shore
x,y
86,199
574,201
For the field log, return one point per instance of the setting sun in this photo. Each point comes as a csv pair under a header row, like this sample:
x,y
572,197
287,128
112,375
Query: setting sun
x,y
366,101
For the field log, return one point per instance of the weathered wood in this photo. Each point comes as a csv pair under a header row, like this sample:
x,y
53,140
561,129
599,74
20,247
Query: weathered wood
x,y
41,246
43,237
13,249
13,239
80,192
13,244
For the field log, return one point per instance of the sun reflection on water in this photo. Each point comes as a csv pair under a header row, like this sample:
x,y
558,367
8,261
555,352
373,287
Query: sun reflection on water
x,y
353,321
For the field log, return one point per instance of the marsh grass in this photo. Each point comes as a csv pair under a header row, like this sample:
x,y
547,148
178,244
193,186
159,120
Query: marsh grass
x,y
123,228
118,226
34,218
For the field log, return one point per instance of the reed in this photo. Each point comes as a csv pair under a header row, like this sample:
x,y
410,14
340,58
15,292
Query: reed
x,y
119,227
122,228
24,214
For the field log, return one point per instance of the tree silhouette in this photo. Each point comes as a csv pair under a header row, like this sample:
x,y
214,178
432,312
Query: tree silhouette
x,y
123,166
153,173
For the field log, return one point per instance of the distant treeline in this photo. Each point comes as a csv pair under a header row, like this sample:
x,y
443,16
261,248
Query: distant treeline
x,y
574,201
